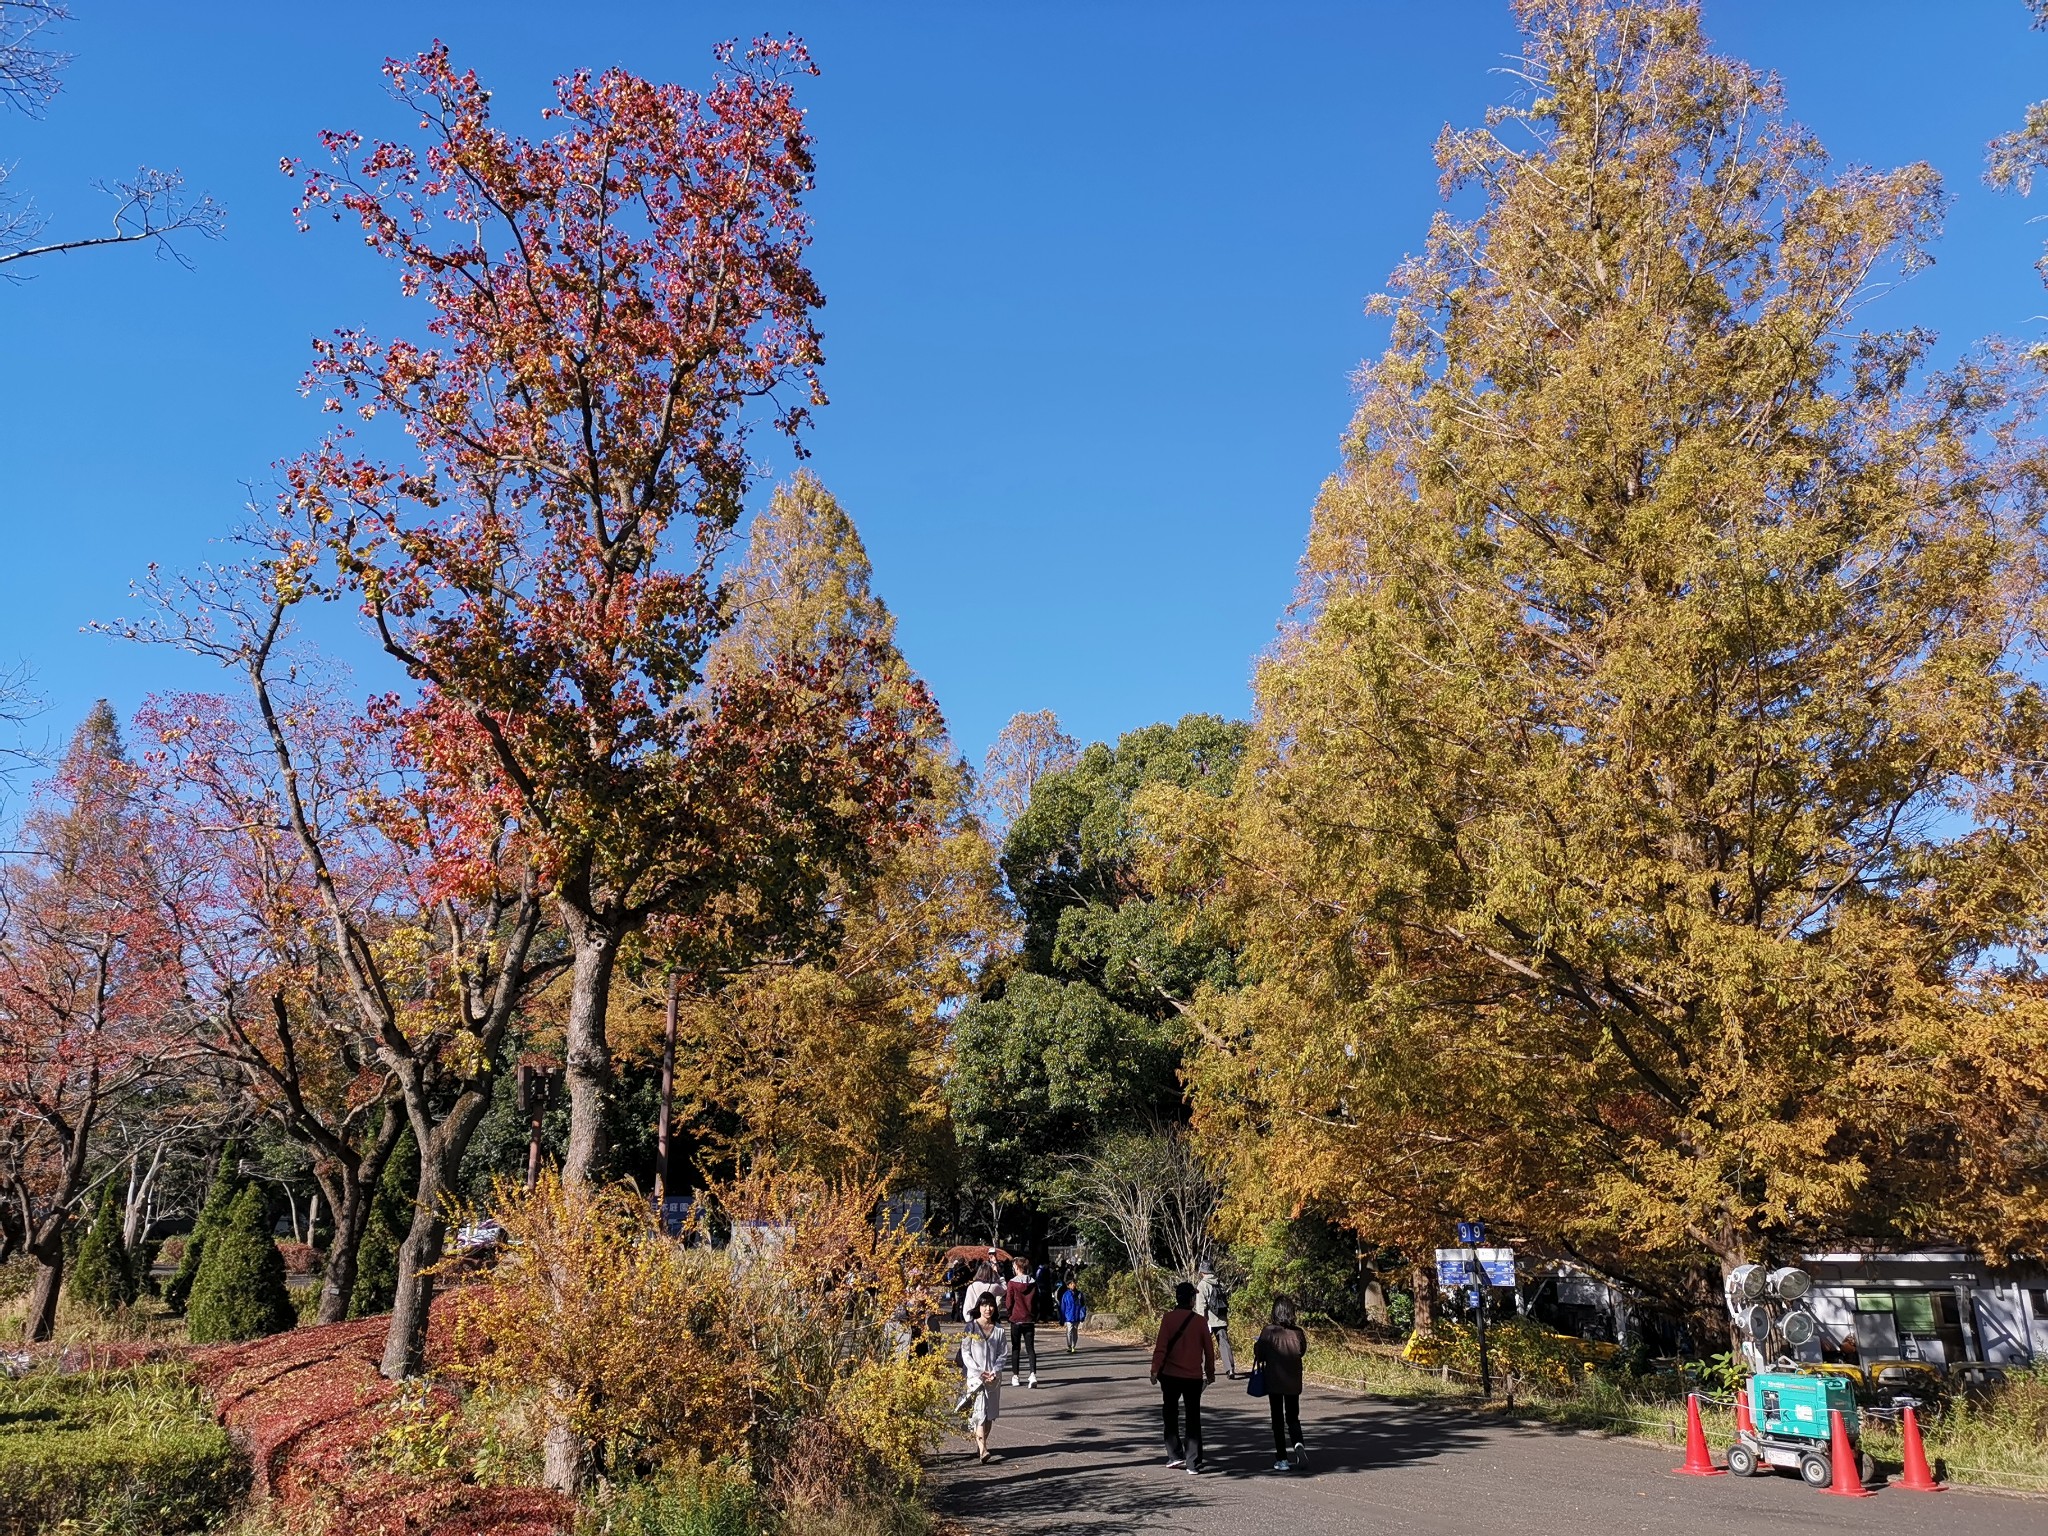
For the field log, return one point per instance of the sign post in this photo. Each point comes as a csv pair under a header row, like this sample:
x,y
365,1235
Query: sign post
x,y
1475,1267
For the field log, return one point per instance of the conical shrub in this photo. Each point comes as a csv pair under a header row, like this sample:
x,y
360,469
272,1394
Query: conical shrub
x,y
103,1275
220,1195
390,1219
240,1292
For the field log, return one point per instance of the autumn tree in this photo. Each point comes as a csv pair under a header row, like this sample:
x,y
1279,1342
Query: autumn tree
x,y
152,207
824,1050
1617,850
1029,746
612,308
367,935
91,1000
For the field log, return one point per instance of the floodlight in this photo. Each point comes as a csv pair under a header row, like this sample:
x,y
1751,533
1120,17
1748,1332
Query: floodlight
x,y
1788,1284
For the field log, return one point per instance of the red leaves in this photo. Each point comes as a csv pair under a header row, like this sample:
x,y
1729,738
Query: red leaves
x,y
309,1402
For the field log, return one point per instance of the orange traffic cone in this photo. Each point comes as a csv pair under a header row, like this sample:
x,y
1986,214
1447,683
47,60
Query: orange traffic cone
x,y
1848,1465
1916,1478
1744,1424
1699,1461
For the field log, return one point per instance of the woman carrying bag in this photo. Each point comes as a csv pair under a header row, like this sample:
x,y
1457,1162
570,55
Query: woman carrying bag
x,y
984,1350
1276,1376
1183,1362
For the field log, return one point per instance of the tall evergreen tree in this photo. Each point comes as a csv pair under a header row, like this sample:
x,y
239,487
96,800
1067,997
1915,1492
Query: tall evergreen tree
x,y
220,1195
103,1276
241,1292
1637,823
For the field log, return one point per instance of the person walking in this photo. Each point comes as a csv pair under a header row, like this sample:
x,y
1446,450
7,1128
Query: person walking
x,y
1020,1306
1073,1312
983,1284
983,1352
1183,1362
1278,1356
1213,1302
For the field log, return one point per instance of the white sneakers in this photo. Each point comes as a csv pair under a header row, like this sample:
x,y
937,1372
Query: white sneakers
x,y
1033,1381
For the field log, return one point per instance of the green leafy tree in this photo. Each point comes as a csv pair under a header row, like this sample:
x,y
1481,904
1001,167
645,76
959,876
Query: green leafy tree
x,y
103,1276
241,1291
1082,1036
220,1195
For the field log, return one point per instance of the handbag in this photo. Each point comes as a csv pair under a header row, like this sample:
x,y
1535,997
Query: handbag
x,y
1255,1384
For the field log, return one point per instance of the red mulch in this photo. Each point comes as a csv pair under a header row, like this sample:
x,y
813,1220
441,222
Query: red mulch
x,y
306,1404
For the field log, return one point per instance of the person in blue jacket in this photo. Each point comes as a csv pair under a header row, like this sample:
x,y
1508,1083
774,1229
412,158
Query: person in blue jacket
x,y
1072,1311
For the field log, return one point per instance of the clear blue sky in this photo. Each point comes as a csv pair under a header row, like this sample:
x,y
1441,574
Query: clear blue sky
x,y
1094,272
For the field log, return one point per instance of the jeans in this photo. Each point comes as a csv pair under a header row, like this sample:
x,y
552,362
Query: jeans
x,y
1286,1411
1073,1335
1173,1391
1023,1342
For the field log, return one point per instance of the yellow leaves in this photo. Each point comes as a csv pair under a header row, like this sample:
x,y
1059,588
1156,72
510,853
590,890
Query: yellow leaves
x,y
1600,863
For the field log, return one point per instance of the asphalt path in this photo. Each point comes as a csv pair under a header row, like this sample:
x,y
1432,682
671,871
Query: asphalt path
x,y
1083,1455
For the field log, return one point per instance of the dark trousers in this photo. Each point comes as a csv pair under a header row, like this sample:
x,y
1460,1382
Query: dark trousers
x,y
1023,1342
1286,1410
1173,1391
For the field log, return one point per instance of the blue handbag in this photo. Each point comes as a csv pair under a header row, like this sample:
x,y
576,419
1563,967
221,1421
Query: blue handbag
x,y
1255,1384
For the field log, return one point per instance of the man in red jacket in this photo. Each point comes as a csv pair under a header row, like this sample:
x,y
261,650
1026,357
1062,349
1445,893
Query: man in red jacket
x,y
1183,1362
1020,1306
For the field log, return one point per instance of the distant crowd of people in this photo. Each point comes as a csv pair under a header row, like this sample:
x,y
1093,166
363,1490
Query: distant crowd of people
x,y
1002,1302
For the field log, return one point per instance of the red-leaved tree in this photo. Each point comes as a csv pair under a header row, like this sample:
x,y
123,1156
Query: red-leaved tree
x,y
611,309
91,988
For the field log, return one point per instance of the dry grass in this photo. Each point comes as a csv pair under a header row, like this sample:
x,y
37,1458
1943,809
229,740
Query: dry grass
x,y
1999,1441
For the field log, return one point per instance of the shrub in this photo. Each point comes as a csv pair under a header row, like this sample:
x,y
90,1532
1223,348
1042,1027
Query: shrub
x,y
1307,1258
647,1353
390,1219
698,1501
220,1195
240,1292
1523,1354
103,1276
116,1452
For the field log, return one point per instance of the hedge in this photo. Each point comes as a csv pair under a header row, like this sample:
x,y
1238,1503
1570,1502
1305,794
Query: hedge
x,y
120,1453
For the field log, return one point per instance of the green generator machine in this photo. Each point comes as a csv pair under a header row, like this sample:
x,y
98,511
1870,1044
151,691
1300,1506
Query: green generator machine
x,y
1790,1414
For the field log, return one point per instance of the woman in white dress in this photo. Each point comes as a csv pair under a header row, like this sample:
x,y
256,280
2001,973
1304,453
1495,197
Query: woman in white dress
x,y
984,1351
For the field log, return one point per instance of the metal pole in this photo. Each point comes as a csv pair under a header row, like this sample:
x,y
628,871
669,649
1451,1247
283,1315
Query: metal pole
x,y
1477,1273
668,1093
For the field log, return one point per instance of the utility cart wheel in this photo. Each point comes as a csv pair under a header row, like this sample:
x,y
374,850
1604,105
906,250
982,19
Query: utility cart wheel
x,y
1866,1464
1815,1469
1741,1460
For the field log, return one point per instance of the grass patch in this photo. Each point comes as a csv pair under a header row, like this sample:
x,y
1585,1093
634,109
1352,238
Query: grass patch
x,y
1996,1440
114,1452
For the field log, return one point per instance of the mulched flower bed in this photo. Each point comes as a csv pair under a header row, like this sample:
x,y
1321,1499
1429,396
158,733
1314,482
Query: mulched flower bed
x,y
308,1402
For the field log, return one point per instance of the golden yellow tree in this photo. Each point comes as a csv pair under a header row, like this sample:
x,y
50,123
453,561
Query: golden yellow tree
x,y
832,1060
1633,819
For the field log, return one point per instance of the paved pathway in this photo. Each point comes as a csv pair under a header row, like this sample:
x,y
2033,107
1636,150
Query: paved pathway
x,y
1082,1456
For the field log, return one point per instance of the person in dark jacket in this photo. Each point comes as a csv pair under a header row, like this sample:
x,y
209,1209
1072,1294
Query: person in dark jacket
x,y
1020,1308
1183,1362
1278,1354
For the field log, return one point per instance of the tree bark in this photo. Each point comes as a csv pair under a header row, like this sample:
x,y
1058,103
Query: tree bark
x,y
588,1064
1422,1277
42,1297
405,1345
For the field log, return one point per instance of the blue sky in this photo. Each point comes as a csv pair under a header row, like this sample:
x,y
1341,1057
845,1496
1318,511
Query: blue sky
x,y
1095,276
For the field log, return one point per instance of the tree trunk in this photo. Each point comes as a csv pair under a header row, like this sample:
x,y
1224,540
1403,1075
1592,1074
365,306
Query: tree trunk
x,y
351,1220
135,1219
42,1297
588,1065
405,1346
1423,1278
